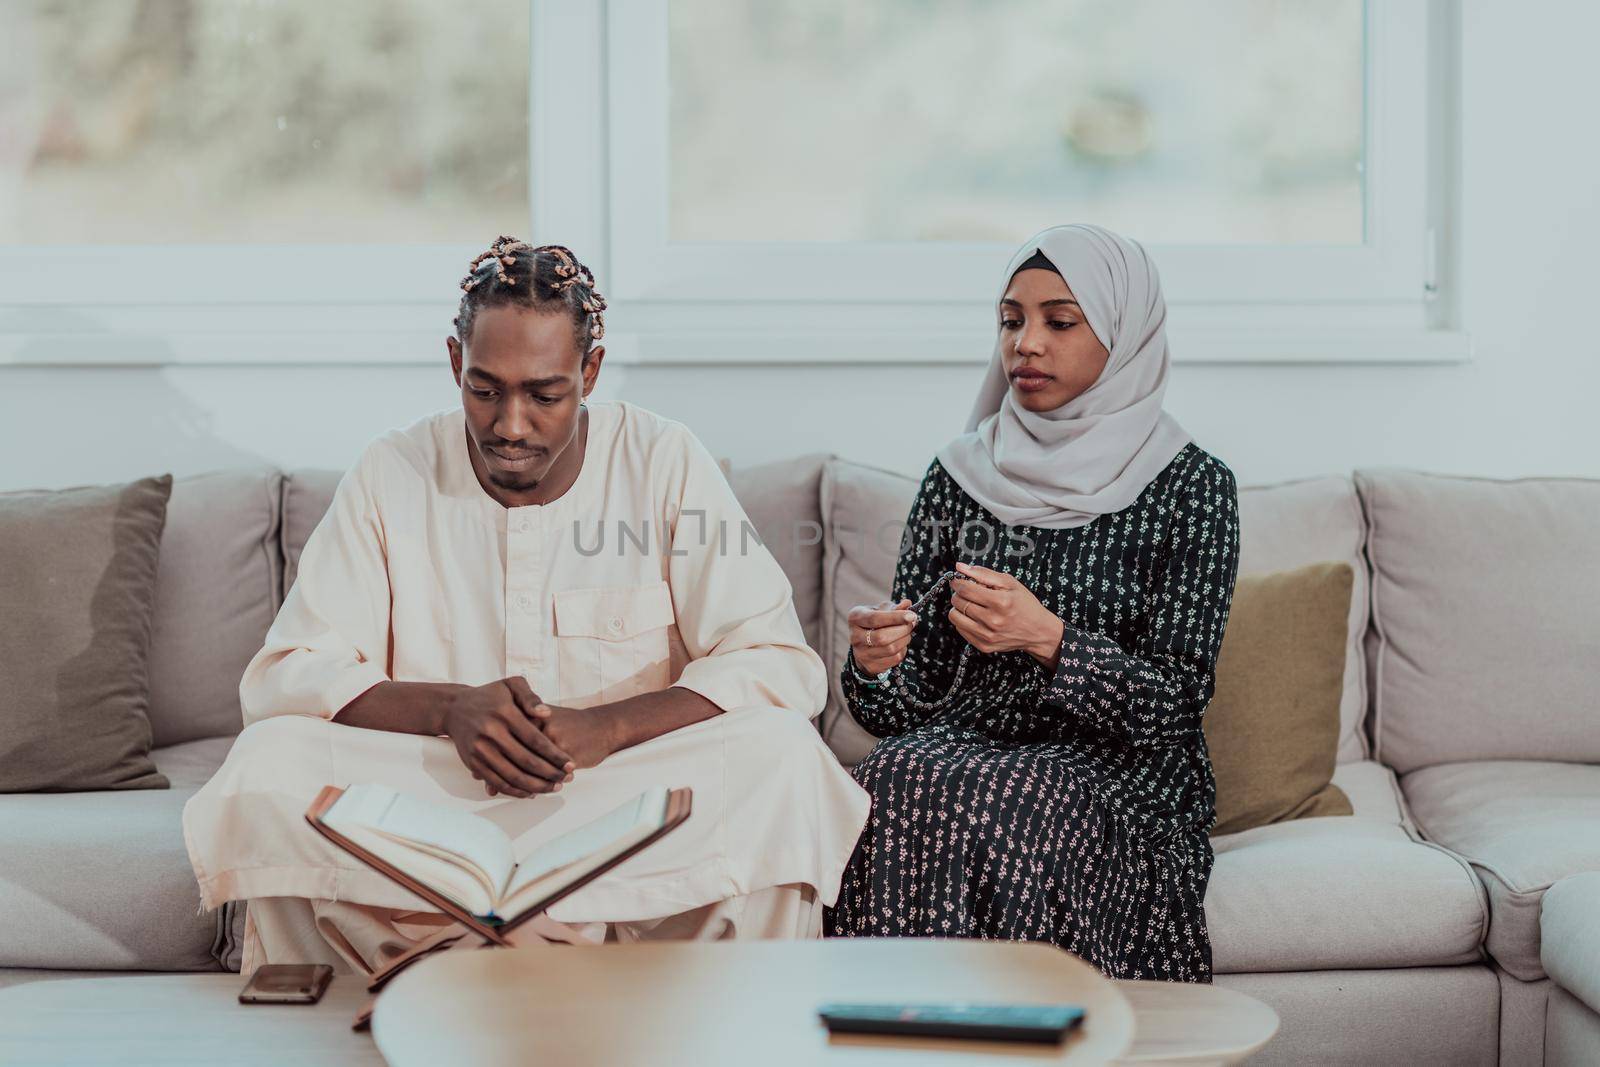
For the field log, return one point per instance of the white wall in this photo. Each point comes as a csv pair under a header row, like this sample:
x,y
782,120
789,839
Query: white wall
x,y
1529,227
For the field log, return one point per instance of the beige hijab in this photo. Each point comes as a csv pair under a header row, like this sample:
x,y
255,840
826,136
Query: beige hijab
x,y
1096,453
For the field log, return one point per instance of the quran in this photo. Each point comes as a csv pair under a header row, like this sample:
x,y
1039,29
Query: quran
x,y
468,867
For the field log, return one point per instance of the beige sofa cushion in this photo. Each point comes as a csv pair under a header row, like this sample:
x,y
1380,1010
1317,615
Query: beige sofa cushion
x,y
307,495
783,501
1372,791
1315,520
1327,893
864,510
1256,912
1410,1017
77,579
1272,727
1524,825
217,592
1569,923
103,880
1484,643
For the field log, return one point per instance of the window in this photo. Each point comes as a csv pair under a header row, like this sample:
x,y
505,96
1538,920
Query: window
x,y
212,150
898,152
1228,122
226,121
798,180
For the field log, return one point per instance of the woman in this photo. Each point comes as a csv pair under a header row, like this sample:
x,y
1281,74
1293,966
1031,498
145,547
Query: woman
x,y
1043,774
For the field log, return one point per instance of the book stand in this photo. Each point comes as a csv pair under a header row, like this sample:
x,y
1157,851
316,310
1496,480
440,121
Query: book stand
x,y
679,803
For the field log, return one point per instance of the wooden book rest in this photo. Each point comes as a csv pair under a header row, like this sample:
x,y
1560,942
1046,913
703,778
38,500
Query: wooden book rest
x,y
679,804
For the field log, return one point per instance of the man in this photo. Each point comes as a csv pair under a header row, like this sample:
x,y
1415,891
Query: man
x,y
532,609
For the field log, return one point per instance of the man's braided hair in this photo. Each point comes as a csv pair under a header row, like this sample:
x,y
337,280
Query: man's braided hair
x,y
549,278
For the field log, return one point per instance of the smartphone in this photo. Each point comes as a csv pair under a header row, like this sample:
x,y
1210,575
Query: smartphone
x,y
1042,1023
286,983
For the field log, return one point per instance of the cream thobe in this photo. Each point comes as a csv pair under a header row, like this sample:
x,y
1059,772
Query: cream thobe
x,y
644,574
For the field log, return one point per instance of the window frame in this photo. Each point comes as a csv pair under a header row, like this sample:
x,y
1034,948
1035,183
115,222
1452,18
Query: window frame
x,y
598,127
1389,265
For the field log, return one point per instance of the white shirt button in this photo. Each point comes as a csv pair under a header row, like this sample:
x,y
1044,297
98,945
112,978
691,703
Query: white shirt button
x,y
523,525
615,625
525,602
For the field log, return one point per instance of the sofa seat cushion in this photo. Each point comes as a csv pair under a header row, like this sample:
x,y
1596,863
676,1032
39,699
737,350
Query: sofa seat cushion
x,y
1524,825
1569,927
190,765
1352,891
102,880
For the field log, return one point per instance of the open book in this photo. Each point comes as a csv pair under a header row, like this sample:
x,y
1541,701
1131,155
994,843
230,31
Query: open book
x,y
467,866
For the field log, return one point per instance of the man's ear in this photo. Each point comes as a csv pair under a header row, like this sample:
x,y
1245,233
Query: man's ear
x,y
454,348
591,368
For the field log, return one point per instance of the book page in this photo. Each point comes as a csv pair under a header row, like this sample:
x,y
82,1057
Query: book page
x,y
467,858
592,844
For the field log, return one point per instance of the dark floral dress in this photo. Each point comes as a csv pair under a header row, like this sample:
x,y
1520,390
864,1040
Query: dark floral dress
x,y
1070,807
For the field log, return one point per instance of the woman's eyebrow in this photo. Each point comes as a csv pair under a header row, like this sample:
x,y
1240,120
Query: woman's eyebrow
x,y
1042,303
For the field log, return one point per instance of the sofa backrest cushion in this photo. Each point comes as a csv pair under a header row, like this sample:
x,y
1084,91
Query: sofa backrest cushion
x,y
783,502
864,510
78,571
1272,727
1315,520
1484,643
307,495
217,590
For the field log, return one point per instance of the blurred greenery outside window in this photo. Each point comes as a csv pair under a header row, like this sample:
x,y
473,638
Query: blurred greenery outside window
x,y
1223,122
406,121
268,122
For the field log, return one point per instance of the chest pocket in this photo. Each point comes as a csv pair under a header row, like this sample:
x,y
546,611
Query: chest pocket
x,y
613,643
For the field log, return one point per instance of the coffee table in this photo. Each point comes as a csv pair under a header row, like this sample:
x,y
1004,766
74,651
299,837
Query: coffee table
x,y
195,1018
183,1020
1195,1025
754,1003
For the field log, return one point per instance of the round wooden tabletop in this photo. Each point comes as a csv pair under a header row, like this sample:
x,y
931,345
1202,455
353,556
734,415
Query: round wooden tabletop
x,y
1184,1023
729,1002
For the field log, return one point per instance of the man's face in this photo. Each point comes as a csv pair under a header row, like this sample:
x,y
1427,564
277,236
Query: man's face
x,y
522,375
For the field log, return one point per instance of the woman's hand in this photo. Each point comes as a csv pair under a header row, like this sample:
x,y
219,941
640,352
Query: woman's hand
x,y
879,634
997,613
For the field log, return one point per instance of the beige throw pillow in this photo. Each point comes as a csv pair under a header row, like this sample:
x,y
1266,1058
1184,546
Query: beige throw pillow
x,y
78,581
1272,727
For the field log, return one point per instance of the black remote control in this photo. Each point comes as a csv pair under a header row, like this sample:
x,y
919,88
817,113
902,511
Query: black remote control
x,y
1040,1023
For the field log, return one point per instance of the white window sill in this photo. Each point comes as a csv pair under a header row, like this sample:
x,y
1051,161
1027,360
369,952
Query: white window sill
x,y
668,335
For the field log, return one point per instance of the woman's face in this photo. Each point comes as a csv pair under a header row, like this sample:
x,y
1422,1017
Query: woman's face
x,y
1049,353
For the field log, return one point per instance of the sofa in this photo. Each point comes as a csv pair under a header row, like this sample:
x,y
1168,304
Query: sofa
x,y
1450,919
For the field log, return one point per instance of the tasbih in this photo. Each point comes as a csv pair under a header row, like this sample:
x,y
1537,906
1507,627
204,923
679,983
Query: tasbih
x,y
897,677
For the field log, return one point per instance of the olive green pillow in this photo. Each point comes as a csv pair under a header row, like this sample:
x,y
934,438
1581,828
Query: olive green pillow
x,y
1272,727
78,581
